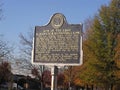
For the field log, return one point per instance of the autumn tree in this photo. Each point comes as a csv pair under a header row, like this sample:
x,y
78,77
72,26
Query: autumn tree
x,y
70,76
5,57
101,44
60,79
5,72
44,78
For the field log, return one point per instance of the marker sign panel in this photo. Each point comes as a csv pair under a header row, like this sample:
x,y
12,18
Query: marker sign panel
x,y
58,43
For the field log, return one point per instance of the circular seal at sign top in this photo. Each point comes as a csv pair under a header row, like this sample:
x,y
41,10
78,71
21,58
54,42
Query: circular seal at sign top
x,y
57,20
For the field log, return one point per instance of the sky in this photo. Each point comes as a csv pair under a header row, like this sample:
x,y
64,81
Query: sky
x,y
20,16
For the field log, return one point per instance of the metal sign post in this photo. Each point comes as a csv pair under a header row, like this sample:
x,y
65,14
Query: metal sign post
x,y
54,72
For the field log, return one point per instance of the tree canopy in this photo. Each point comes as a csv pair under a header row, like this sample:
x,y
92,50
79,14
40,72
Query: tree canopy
x,y
101,46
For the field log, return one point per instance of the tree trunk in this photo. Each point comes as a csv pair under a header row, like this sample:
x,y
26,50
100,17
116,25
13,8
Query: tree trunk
x,y
92,87
87,87
111,87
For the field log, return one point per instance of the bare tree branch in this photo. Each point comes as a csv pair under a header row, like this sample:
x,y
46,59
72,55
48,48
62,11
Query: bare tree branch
x,y
5,50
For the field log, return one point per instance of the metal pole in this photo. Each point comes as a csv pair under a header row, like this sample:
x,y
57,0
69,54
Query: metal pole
x,y
42,77
54,71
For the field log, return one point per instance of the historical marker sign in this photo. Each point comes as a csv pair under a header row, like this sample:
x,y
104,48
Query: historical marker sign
x,y
58,43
